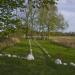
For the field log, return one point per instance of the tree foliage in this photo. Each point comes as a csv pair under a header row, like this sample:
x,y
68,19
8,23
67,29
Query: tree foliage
x,y
6,13
38,15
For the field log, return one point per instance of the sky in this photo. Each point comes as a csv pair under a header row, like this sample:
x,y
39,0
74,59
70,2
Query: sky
x,y
67,9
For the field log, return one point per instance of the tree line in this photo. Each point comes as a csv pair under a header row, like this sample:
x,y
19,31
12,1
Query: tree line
x,y
29,17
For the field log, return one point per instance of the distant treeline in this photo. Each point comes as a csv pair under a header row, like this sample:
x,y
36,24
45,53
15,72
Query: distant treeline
x,y
52,33
63,34
34,34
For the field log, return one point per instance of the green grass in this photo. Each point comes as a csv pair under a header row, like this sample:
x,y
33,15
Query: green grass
x,y
60,51
42,65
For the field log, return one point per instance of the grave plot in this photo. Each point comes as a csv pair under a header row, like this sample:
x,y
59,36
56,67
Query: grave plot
x,y
20,49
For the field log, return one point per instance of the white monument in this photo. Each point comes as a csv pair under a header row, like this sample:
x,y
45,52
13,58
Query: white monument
x,y
30,57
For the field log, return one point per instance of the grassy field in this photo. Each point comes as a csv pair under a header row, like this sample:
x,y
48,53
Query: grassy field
x,y
42,65
68,41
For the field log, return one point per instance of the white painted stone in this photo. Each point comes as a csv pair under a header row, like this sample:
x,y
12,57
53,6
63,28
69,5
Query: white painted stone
x,y
14,56
58,61
1,54
30,57
65,64
72,64
9,55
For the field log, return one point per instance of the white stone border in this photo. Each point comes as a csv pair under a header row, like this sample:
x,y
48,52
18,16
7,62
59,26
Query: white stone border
x,y
57,61
11,55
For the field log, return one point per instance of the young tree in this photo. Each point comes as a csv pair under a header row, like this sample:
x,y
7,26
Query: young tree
x,y
6,13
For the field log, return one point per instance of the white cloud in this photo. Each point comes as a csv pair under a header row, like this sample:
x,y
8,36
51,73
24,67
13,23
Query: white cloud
x,y
67,9
68,13
70,18
71,1
62,1
66,1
